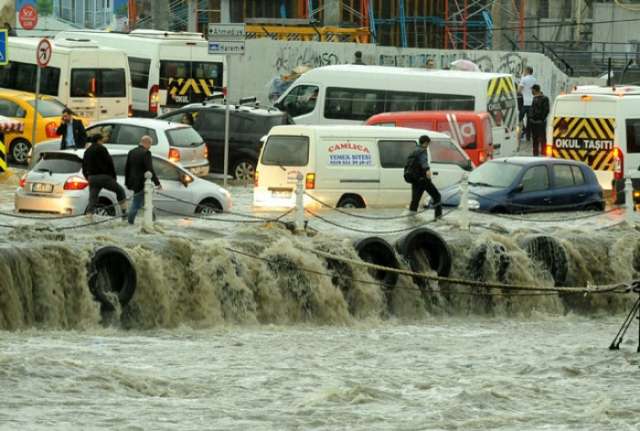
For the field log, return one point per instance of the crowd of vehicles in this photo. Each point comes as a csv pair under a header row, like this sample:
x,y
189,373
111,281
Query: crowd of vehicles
x,y
317,127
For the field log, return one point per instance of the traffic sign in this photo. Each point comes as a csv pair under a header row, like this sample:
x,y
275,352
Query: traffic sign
x,y
44,52
226,47
230,32
4,58
28,17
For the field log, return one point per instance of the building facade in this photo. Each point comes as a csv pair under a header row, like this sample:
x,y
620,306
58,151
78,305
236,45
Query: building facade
x,y
85,13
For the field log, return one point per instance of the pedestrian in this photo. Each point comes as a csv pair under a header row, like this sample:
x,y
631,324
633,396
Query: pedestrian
x,y
538,114
72,131
99,170
138,163
524,88
358,58
418,173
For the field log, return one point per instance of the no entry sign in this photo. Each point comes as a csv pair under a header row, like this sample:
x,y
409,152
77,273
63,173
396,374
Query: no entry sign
x,y
28,17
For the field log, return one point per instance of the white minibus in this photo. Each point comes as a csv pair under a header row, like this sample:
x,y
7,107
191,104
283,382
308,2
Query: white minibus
x,y
349,166
350,94
168,69
93,81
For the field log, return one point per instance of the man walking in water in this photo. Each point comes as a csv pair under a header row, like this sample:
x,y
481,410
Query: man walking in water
x,y
418,173
98,169
138,163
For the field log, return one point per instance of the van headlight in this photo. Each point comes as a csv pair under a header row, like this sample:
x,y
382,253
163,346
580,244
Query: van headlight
x,y
473,204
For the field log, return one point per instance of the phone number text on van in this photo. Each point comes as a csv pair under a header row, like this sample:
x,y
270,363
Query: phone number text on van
x,y
584,144
350,160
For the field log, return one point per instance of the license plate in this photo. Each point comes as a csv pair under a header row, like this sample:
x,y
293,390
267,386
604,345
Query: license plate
x,y
42,188
281,194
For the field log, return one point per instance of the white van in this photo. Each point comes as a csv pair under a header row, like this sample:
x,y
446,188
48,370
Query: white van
x,y
601,127
93,81
168,69
349,166
350,94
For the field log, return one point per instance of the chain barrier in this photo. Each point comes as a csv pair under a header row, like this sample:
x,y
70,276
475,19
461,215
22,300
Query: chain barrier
x,y
209,218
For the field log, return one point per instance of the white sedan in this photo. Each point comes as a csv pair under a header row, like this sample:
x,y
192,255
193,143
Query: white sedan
x,y
56,185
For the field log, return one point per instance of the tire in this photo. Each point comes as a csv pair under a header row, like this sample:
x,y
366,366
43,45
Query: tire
x,y
244,170
208,207
111,271
19,151
105,208
351,202
593,207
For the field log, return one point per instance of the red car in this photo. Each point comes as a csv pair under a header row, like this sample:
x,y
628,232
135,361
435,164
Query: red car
x,y
472,130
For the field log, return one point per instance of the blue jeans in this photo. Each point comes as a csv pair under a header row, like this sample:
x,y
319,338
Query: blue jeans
x,y
136,204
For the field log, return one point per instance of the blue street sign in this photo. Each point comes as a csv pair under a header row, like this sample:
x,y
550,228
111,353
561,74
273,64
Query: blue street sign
x,y
4,37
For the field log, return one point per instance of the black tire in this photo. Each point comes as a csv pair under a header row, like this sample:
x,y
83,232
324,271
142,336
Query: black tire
x,y
244,170
209,207
551,254
422,247
351,201
104,208
593,207
111,270
19,151
378,251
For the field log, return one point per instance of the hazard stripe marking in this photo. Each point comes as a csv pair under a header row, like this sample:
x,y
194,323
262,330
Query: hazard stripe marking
x,y
589,130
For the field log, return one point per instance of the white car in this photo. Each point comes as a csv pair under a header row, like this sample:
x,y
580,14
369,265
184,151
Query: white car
x,y
56,185
177,142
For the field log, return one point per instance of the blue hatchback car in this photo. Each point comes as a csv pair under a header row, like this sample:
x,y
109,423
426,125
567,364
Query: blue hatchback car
x,y
530,184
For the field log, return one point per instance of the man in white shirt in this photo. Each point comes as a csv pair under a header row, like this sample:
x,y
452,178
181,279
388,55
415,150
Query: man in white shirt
x,y
524,88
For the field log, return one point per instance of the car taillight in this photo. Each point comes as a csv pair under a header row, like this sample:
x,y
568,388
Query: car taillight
x,y
51,130
206,152
310,181
22,182
548,150
256,182
618,163
76,183
174,155
154,99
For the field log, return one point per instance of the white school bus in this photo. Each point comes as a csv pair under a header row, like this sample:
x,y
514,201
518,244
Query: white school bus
x,y
168,69
599,126
93,81
350,94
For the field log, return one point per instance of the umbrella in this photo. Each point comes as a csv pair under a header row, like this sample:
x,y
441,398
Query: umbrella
x,y
9,125
466,65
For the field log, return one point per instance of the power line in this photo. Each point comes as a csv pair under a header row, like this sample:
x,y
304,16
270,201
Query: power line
x,y
548,25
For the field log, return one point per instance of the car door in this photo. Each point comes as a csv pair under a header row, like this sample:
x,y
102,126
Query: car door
x,y
209,123
174,198
394,190
564,193
534,193
448,163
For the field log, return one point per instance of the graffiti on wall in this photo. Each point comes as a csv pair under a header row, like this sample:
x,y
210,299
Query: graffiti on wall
x,y
290,57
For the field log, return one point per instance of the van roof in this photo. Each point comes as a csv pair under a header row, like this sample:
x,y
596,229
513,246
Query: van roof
x,y
420,115
60,45
620,90
384,71
151,37
357,131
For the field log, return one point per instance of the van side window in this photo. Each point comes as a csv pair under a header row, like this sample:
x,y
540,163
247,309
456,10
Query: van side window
x,y
22,76
449,102
98,83
301,100
353,104
633,135
139,68
445,151
394,154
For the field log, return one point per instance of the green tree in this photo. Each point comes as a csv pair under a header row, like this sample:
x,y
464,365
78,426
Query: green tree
x,y
45,7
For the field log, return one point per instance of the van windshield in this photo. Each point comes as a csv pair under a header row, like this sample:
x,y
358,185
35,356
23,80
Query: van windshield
x,y
494,174
286,151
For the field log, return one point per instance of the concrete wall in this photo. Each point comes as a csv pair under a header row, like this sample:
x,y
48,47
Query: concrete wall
x,y
265,59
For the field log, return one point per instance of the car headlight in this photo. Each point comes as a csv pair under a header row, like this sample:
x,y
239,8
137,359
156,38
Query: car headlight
x,y
473,204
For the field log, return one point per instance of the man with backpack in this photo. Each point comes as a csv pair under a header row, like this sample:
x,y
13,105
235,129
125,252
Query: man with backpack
x,y
418,173
538,119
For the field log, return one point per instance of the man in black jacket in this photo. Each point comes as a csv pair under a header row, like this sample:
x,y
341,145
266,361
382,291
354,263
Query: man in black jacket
x,y
72,131
538,119
98,169
421,182
138,163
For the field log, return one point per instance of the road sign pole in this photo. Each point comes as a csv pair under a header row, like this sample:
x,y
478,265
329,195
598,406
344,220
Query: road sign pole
x,y
226,128
35,107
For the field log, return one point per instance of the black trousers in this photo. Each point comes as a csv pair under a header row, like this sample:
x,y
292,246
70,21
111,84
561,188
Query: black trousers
x,y
538,132
99,182
418,188
526,110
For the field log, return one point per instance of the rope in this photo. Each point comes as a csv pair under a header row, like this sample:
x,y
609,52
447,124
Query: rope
x,y
379,232
491,285
196,216
324,204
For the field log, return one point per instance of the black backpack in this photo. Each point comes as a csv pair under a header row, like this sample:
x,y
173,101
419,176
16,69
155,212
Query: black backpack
x,y
411,174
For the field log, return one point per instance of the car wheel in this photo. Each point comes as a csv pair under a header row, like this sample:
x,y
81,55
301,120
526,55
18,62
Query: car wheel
x,y
350,202
20,151
105,209
209,207
593,207
244,170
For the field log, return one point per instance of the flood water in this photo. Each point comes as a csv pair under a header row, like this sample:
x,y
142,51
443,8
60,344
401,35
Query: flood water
x,y
287,340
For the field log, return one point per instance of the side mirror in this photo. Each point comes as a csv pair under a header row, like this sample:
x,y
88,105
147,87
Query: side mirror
x,y
519,188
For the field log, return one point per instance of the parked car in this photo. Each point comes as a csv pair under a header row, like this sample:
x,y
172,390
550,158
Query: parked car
x,y
19,105
472,130
530,184
247,126
56,185
179,143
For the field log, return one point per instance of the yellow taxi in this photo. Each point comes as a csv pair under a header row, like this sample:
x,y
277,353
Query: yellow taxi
x,y
19,105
